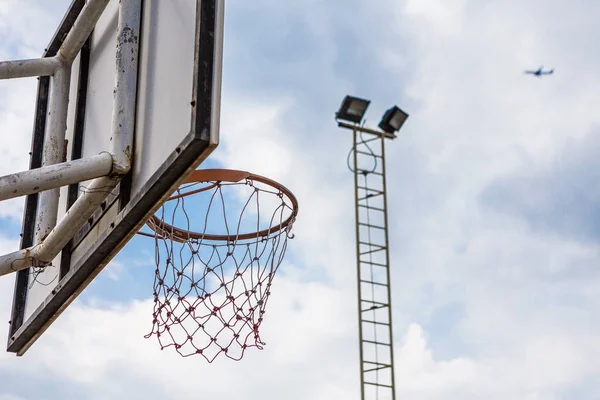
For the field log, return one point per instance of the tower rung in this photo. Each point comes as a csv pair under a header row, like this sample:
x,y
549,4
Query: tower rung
x,y
371,208
377,363
366,172
374,322
370,189
374,308
379,303
372,251
376,368
377,384
368,140
371,226
376,343
369,196
368,154
372,244
373,263
373,283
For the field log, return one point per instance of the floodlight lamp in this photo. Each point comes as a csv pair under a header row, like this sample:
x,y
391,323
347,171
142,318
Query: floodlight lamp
x,y
392,120
352,109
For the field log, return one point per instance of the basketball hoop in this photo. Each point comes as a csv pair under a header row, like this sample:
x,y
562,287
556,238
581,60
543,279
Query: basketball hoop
x,y
215,261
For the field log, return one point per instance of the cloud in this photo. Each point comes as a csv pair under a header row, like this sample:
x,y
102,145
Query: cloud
x,y
114,270
10,397
420,373
559,196
513,375
106,344
443,17
489,302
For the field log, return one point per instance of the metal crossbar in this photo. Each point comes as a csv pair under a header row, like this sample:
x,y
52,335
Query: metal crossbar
x,y
367,153
379,384
371,208
379,366
373,282
371,226
373,263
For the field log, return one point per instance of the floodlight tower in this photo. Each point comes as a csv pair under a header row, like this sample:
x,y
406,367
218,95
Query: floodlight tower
x,y
372,246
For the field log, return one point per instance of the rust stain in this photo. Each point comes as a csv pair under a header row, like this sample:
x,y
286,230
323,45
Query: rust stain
x,y
65,148
127,36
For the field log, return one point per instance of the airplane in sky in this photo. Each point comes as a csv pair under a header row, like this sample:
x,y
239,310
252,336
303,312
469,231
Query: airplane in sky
x,y
540,72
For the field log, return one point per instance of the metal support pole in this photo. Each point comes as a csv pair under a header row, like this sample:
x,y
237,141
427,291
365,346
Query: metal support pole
x,y
54,176
28,68
54,148
358,279
42,254
125,85
76,216
83,26
387,270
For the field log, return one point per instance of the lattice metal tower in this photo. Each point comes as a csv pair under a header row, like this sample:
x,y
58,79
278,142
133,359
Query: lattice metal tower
x,y
367,161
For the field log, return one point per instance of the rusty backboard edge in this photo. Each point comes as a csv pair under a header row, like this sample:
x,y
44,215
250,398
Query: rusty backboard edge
x,y
37,145
194,149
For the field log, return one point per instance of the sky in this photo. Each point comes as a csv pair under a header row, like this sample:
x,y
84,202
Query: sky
x,y
493,211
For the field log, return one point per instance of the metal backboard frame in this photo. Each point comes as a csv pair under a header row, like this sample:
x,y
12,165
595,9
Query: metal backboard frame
x,y
134,200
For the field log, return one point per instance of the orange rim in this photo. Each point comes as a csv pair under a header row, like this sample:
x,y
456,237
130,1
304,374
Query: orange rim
x,y
217,176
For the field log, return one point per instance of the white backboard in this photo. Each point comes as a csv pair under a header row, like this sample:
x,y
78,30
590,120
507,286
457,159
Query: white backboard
x,y
176,128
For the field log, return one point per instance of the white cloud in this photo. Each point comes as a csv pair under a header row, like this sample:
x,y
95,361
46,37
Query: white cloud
x,y
10,397
419,373
113,270
95,345
445,18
